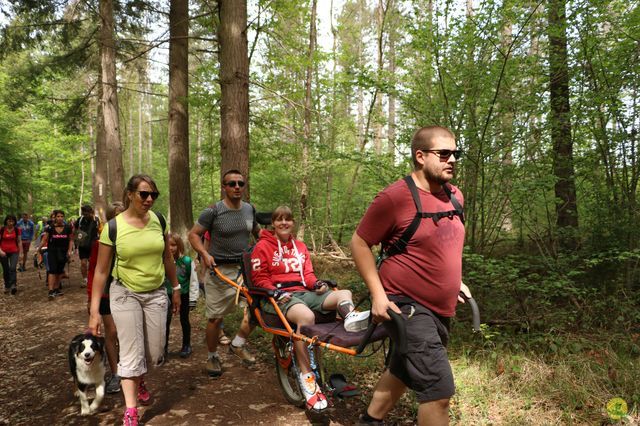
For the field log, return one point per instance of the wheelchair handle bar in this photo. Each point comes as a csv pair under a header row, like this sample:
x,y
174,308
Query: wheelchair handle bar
x,y
400,329
475,312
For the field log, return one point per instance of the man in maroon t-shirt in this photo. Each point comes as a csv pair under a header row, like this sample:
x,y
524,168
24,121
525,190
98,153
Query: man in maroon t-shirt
x,y
422,282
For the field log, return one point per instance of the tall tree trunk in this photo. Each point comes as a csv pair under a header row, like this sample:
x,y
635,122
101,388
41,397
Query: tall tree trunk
x,y
130,134
380,17
82,175
234,87
100,186
179,173
140,107
110,100
304,180
393,34
560,124
150,132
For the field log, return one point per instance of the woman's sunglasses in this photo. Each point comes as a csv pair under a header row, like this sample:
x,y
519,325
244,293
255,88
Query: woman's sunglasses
x,y
145,194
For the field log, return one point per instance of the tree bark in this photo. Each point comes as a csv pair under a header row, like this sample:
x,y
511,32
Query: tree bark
x,y
560,124
304,179
234,87
179,173
100,185
110,100
393,34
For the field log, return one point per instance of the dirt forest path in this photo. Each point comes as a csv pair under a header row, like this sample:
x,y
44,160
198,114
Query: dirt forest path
x,y
36,387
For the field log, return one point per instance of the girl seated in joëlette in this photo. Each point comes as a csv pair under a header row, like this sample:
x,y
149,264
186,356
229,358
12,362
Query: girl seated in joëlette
x,y
279,258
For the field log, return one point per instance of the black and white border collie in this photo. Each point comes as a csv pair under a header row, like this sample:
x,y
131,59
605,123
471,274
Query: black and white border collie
x,y
87,366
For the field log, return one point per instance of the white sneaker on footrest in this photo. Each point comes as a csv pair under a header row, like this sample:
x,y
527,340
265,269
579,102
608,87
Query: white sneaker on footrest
x,y
357,321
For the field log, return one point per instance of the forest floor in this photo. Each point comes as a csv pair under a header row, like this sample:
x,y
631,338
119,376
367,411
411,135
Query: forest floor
x,y
36,387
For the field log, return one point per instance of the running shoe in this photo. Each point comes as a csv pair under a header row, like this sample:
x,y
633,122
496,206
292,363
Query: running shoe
x,y
316,400
130,417
357,321
144,397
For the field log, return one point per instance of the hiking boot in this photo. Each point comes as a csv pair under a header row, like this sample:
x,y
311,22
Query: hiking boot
x,y
214,366
316,400
185,351
14,289
58,292
130,417
357,321
242,353
143,394
114,384
51,295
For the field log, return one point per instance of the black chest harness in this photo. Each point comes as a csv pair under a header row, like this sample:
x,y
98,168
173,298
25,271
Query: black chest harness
x,y
400,245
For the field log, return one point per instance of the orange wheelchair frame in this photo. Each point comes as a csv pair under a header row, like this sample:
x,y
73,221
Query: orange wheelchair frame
x,y
284,335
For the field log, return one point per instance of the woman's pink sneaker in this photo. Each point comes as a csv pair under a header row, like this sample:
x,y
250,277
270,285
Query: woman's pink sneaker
x,y
143,394
130,417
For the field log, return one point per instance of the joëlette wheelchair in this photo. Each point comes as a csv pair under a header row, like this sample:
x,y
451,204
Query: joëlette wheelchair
x,y
327,333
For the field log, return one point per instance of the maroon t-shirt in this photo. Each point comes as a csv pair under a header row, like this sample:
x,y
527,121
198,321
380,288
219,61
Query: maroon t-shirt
x,y
430,270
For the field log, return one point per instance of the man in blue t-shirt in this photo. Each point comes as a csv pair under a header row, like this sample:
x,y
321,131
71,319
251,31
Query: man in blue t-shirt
x,y
27,229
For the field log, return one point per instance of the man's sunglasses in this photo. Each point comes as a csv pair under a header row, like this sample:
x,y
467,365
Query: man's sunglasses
x,y
234,183
444,154
145,194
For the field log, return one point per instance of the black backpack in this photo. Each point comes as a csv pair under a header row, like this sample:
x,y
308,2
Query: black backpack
x,y
400,245
83,236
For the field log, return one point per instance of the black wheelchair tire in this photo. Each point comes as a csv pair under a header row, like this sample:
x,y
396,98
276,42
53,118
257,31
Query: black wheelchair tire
x,y
287,379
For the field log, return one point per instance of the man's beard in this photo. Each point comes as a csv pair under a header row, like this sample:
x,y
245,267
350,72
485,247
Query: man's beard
x,y
433,177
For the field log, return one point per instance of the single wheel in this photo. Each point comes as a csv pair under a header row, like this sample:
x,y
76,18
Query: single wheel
x,y
286,372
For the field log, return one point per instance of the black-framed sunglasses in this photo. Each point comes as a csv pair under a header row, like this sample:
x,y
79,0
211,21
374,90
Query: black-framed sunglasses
x,y
234,183
145,194
444,154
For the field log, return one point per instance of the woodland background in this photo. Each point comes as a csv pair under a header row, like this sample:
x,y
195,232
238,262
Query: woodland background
x,y
316,100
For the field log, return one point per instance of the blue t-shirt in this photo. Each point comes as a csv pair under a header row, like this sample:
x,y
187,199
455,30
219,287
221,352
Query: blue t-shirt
x,y
26,228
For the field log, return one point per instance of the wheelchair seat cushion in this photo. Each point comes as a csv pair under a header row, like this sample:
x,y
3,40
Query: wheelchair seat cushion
x,y
335,334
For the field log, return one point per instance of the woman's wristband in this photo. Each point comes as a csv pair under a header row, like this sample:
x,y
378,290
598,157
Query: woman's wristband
x,y
176,288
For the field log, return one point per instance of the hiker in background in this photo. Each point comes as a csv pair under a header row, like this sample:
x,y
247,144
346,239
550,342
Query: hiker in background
x,y
86,229
189,291
27,231
58,240
10,248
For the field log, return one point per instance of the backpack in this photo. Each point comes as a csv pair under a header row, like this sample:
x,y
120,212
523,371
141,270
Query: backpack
x,y
83,238
400,245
